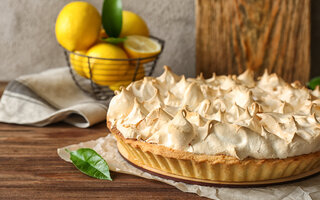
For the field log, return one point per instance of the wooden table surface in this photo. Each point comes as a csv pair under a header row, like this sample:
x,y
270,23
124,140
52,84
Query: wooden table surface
x,y
31,169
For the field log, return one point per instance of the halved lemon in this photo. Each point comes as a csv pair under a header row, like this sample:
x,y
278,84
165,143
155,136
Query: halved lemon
x,y
138,46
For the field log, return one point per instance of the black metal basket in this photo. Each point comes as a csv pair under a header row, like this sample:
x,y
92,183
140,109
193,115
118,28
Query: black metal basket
x,y
99,77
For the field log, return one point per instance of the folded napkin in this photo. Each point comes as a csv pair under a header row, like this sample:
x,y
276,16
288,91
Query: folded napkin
x,y
48,97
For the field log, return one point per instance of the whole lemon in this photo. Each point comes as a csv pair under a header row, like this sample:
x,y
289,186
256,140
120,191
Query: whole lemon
x,y
129,76
130,73
105,68
79,62
78,26
133,24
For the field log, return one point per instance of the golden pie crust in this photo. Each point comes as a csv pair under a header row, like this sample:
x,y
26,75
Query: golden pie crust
x,y
212,167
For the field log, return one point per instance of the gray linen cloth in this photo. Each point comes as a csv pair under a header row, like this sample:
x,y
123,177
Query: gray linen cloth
x,y
48,97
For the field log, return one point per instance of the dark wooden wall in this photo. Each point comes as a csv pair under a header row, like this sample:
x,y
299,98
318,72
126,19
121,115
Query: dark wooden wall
x,y
233,35
315,38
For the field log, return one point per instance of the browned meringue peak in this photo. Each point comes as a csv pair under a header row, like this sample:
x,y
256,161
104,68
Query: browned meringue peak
x,y
199,79
293,95
204,108
316,92
195,118
225,82
153,122
254,108
180,87
168,79
279,124
234,140
252,123
172,100
137,114
247,78
308,127
121,105
237,113
192,96
154,102
178,133
271,83
315,109
275,86
130,123
284,107
240,95
228,115
143,89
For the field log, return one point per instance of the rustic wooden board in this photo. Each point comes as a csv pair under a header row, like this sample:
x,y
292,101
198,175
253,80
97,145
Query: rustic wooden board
x,y
233,35
315,39
31,169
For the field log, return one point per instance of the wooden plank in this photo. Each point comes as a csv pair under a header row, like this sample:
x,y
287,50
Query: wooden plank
x,y
30,168
233,35
315,39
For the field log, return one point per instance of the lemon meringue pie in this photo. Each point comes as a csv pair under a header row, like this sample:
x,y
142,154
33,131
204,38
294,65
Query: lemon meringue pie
x,y
226,128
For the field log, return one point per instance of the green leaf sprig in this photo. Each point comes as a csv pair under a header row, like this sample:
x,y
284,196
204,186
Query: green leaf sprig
x,y
312,84
89,162
112,20
112,40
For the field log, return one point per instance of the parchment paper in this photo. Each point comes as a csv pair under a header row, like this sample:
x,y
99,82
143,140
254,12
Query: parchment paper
x,y
106,147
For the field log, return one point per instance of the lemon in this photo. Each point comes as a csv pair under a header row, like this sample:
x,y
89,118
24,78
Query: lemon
x,y
78,26
133,24
130,73
79,62
117,85
129,76
103,34
105,71
138,46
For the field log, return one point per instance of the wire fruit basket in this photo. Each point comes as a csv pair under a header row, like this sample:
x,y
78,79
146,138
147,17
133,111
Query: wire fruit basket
x,y
99,77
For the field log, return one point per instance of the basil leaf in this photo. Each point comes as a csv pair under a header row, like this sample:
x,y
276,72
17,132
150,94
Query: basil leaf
x,y
112,17
313,83
90,163
112,40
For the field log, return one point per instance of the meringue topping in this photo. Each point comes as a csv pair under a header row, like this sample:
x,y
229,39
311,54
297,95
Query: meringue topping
x,y
230,115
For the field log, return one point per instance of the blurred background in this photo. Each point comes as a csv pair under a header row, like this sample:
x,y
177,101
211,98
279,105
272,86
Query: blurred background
x,y
28,43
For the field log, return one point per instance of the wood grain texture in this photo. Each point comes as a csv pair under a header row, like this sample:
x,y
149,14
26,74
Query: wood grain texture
x,y
30,167
233,35
315,38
